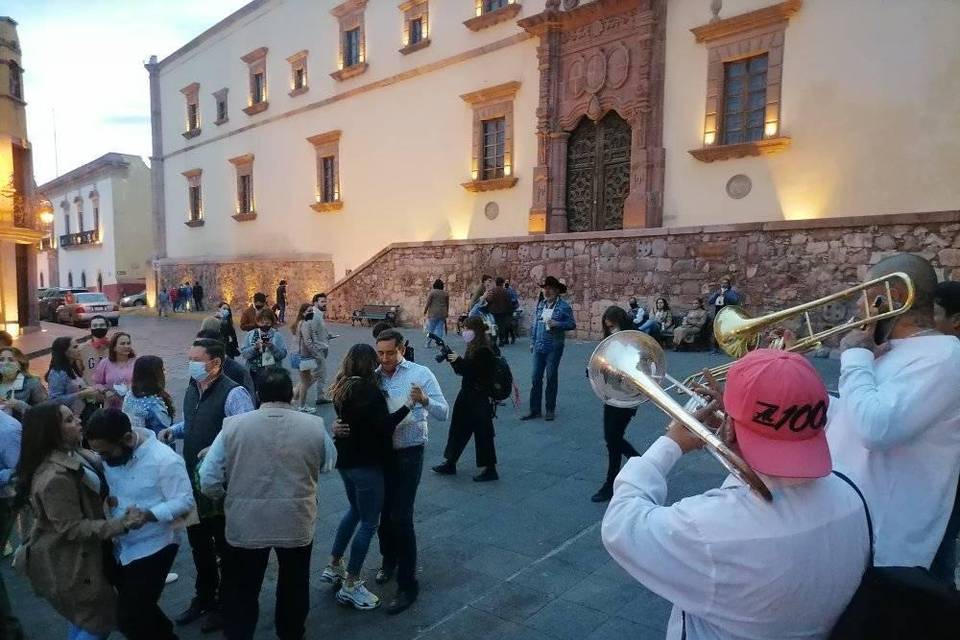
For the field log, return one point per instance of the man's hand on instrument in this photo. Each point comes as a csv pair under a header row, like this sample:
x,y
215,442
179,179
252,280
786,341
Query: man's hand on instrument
x,y
683,437
863,339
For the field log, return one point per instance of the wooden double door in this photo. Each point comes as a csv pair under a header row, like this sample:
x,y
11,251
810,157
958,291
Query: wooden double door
x,y
598,173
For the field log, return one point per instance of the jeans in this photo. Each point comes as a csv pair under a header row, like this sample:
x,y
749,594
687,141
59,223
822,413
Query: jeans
x,y
364,486
241,597
651,327
9,625
139,616
76,633
615,421
398,541
545,364
282,312
207,541
945,562
436,326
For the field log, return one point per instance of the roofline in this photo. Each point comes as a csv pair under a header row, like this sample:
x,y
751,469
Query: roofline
x,y
85,173
242,12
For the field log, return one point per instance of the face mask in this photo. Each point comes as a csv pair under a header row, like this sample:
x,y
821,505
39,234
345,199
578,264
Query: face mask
x,y
308,315
198,371
633,305
120,460
258,306
9,369
224,313
469,335
99,332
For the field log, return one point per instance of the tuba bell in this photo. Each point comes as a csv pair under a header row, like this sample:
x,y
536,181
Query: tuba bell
x,y
628,368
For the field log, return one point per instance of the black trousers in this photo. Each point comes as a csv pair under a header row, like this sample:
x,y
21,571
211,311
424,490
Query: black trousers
x,y
398,541
138,596
241,596
472,416
207,542
503,321
615,421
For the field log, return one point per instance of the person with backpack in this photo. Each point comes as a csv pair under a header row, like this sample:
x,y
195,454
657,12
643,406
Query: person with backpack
x,y
733,564
473,409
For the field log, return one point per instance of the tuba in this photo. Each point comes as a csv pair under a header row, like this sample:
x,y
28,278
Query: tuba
x,y
628,368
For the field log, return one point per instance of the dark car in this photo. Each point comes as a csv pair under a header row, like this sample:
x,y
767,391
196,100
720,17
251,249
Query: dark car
x,y
52,299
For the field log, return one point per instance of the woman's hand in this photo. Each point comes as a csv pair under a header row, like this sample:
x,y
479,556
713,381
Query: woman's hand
x,y
453,356
341,429
89,393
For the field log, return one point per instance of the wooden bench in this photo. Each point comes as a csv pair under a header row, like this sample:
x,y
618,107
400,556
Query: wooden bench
x,y
371,313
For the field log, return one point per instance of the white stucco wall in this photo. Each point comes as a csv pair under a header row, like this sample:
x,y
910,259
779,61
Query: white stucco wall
x,y
870,94
405,148
90,259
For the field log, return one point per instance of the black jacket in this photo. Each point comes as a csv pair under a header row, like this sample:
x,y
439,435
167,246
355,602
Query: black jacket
x,y
371,426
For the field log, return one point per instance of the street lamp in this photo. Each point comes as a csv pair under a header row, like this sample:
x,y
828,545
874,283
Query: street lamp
x,y
46,212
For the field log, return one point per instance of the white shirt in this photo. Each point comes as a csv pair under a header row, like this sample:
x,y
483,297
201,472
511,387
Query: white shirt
x,y
895,430
154,479
412,431
740,567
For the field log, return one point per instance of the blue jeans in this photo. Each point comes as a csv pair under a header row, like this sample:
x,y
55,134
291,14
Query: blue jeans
x,y
545,364
76,633
651,327
436,326
364,487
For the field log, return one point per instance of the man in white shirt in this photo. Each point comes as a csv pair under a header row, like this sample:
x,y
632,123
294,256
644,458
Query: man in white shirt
x,y
148,476
733,564
895,430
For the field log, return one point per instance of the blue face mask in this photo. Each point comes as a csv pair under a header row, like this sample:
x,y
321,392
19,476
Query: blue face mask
x,y
198,371
469,335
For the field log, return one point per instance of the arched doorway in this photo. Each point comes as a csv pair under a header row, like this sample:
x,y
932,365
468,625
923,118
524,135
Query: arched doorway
x,y
598,173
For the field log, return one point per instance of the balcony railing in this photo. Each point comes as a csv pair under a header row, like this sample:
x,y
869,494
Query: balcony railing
x,y
79,239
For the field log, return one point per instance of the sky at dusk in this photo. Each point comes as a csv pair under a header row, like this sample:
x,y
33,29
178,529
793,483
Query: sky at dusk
x,y
83,69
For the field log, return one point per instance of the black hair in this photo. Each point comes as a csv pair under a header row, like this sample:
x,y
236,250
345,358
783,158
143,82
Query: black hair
x,y
259,297
274,385
213,348
666,305
485,278
317,296
438,284
947,295
380,327
391,334
59,360
149,379
6,340
618,316
209,334
99,317
499,282
41,436
107,424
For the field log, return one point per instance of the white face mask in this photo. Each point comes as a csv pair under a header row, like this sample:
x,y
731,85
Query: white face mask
x,y
469,335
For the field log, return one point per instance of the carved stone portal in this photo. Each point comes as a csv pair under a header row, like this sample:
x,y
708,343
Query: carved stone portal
x,y
599,59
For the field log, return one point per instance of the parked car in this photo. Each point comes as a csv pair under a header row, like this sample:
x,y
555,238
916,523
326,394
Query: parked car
x,y
52,299
85,306
134,300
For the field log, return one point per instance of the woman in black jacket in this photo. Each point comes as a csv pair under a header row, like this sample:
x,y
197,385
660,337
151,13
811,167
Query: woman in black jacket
x,y
361,403
228,334
615,419
473,409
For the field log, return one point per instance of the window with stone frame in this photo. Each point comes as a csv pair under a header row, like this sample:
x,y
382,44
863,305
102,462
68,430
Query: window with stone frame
x,y
65,206
79,202
492,138
298,73
490,12
326,148
16,80
245,201
95,205
194,198
257,100
220,99
191,94
70,279
744,76
416,25
353,40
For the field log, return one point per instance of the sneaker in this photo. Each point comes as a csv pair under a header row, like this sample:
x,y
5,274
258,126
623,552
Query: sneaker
x,y
333,573
357,596
171,578
310,410
384,575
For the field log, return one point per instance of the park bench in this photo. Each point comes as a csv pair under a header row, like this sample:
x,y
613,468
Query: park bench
x,y
371,313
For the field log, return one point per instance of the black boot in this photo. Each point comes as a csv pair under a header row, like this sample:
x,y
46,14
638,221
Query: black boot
x,y
603,495
446,469
488,474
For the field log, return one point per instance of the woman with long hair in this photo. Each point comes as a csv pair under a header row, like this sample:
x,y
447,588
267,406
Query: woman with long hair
x,y
660,320
148,404
114,373
308,360
66,384
473,409
361,403
228,332
18,389
615,419
68,552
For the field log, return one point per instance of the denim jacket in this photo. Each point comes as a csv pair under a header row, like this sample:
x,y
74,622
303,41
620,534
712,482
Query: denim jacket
x,y
546,340
254,358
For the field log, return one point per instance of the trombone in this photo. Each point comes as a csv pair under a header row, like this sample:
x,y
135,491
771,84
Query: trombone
x,y
628,368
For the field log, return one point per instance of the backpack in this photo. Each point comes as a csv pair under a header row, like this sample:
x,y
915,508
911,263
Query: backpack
x,y
502,384
897,603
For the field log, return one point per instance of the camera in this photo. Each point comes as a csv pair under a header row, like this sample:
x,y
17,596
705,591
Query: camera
x,y
444,349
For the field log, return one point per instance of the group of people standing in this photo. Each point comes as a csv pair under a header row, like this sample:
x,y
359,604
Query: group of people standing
x,y
183,298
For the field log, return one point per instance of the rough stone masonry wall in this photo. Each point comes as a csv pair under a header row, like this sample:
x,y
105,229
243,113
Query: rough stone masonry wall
x,y
775,264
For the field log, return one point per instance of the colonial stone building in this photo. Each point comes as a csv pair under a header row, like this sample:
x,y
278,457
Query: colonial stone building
x,y
300,138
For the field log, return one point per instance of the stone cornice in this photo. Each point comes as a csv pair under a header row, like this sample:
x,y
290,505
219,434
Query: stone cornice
x,y
490,18
728,151
254,55
505,90
191,89
409,4
299,55
246,158
87,173
749,21
584,14
493,184
192,173
348,7
324,138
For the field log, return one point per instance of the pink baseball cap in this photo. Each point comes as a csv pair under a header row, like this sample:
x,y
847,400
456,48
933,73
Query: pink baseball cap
x,y
778,405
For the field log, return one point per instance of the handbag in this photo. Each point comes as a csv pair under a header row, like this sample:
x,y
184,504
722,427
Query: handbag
x,y
295,357
897,603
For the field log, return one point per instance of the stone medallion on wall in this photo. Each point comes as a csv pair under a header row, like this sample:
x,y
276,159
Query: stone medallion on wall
x,y
492,210
739,186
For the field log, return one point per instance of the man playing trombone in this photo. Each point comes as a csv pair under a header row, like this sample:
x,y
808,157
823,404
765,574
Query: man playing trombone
x,y
733,564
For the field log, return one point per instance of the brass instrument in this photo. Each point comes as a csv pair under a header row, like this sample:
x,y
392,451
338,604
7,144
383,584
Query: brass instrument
x,y
629,367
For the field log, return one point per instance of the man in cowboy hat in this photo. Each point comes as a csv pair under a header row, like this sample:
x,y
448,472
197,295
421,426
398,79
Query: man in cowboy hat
x,y
553,318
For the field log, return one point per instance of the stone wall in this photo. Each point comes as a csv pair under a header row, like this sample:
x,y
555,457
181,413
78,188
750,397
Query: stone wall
x,y
237,279
775,264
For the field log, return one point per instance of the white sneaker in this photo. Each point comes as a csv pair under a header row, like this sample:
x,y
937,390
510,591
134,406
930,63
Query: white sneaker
x,y
358,596
333,573
171,578
310,410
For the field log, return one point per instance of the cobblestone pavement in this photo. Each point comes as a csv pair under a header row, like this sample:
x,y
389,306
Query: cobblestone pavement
x,y
516,559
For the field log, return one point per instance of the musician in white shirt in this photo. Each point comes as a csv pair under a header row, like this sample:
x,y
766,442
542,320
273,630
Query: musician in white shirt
x,y
895,430
733,564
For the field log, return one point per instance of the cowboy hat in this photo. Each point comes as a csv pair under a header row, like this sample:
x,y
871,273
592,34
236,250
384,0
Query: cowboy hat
x,y
550,281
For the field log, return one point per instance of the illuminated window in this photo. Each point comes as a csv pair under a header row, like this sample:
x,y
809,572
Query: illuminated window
x,y
351,47
246,203
416,27
194,198
257,70
191,93
492,140
79,202
416,30
353,42
744,100
220,98
327,151
493,148
490,12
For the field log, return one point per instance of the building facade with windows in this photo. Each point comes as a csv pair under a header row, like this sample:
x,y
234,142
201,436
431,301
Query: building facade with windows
x,y
297,138
101,234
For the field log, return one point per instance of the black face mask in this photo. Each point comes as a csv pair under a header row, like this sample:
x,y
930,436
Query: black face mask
x,y
308,315
257,306
120,460
99,332
633,305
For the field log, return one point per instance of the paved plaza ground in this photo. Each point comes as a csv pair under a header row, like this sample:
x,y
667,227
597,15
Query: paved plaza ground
x,y
517,559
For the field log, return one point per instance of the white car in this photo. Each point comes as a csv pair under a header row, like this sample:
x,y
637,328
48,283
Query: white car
x,y
80,308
